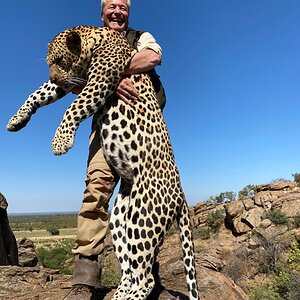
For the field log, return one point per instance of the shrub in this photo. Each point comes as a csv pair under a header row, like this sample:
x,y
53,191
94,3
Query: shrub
x,y
236,268
277,217
268,259
282,283
264,291
296,221
215,220
173,229
55,258
111,275
201,232
296,177
53,231
294,255
223,197
29,228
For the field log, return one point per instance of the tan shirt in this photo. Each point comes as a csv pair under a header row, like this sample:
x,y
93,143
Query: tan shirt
x,y
147,41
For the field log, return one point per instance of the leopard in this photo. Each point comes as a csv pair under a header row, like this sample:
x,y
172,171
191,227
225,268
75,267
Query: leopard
x,y
135,142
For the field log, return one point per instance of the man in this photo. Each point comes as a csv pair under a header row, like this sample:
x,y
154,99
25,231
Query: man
x,y
92,223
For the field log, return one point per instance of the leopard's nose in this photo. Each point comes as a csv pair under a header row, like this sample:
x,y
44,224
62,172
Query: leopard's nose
x,y
53,79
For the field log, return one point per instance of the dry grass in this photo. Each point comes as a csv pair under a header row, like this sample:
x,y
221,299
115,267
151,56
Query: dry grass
x,y
43,238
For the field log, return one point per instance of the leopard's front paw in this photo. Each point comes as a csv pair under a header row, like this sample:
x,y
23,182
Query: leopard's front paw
x,y
17,122
62,143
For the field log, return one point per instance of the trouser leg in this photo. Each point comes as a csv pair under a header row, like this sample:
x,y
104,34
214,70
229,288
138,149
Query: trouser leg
x,y
92,221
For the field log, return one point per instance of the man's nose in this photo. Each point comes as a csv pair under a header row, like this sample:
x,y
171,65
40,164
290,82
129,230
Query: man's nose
x,y
117,10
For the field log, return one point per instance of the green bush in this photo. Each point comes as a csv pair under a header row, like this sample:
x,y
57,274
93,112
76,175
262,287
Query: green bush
x,y
296,221
296,177
215,220
201,232
111,275
264,291
277,217
294,255
223,197
284,284
55,258
53,231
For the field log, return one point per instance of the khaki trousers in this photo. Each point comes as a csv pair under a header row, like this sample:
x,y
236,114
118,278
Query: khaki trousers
x,y
93,220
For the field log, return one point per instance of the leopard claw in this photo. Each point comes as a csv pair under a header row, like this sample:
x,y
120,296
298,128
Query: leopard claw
x,y
17,122
61,145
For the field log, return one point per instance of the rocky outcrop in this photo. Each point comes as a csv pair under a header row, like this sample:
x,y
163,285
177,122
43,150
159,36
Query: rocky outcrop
x,y
32,283
27,254
214,285
250,213
202,210
244,215
8,245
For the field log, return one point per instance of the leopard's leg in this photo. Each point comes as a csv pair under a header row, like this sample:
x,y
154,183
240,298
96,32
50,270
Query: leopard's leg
x,y
184,224
99,87
142,243
44,95
142,284
118,233
141,264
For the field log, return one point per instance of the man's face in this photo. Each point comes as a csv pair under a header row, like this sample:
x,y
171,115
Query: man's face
x,y
115,14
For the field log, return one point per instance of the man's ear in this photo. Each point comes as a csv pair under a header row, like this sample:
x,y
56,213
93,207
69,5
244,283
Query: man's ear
x,y
73,41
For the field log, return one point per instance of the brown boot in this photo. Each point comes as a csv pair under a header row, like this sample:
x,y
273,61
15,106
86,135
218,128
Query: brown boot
x,y
86,277
87,270
81,292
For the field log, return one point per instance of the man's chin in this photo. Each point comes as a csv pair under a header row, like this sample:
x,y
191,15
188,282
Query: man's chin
x,y
117,26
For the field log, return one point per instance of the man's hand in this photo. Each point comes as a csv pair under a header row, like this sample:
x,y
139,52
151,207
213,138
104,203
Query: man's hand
x,y
126,91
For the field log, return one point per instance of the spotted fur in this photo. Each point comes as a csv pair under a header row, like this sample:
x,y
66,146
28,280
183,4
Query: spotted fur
x,y
135,141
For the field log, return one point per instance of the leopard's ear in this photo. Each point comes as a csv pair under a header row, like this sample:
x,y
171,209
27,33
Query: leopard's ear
x,y
73,41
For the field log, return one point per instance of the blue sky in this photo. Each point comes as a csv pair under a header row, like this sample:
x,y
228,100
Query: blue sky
x,y
231,69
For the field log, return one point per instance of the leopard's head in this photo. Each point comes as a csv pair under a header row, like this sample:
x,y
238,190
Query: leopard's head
x,y
68,59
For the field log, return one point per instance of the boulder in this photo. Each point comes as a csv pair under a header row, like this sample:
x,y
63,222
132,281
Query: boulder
x,y
248,203
253,217
239,226
234,209
213,284
27,254
8,244
276,186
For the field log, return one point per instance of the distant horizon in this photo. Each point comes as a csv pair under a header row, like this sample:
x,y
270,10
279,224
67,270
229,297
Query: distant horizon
x,y
45,213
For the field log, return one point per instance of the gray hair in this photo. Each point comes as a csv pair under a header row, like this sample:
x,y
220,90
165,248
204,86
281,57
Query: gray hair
x,y
103,3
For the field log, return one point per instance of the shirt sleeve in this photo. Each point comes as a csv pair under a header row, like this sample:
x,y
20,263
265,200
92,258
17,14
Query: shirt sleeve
x,y
147,41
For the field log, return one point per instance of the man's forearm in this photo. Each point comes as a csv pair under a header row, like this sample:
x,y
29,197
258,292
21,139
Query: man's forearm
x,y
143,61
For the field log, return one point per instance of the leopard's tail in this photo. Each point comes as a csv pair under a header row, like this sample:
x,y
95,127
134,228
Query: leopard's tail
x,y
184,224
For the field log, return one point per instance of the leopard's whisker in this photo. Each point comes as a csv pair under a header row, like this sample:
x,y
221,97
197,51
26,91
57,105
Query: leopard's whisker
x,y
77,81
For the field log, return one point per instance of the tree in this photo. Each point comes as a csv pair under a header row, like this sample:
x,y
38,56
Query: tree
x,y
215,220
248,191
53,231
223,197
296,177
